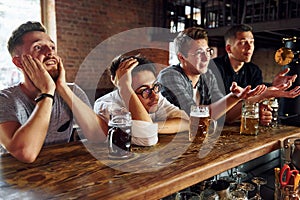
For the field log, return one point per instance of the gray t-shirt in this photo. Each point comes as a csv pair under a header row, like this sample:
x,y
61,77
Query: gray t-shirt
x,y
16,106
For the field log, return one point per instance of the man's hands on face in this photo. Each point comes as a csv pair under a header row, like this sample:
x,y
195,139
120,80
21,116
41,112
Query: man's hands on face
x,y
38,75
123,76
61,80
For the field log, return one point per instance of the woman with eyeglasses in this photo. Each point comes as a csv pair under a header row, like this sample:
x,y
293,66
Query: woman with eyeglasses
x,y
139,92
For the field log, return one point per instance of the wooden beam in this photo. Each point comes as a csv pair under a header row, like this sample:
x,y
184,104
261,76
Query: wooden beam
x,y
262,26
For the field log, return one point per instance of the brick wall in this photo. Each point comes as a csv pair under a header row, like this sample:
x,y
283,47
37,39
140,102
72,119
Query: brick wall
x,y
264,58
91,32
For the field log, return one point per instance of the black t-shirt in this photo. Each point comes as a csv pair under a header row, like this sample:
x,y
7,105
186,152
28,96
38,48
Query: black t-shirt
x,y
249,74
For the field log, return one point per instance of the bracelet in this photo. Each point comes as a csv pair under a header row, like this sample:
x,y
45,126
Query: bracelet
x,y
44,95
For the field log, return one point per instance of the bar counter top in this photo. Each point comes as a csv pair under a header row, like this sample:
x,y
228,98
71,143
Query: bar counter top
x,y
82,170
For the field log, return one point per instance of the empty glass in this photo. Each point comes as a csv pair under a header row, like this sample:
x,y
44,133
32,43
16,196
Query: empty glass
x,y
222,188
238,195
258,181
187,195
247,187
239,176
209,194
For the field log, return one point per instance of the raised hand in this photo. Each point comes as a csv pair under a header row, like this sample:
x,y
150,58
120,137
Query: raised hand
x,y
281,91
245,93
123,74
281,78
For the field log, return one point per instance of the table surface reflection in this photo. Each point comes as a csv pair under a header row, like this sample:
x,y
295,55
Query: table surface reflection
x,y
81,170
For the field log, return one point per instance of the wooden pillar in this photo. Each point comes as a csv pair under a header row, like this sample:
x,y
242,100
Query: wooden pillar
x,y
48,17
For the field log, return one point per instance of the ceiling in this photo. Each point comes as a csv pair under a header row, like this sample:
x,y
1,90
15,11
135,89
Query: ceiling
x,y
266,34
271,20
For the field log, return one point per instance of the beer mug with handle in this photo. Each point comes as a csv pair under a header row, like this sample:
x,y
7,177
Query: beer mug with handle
x,y
200,123
119,134
250,118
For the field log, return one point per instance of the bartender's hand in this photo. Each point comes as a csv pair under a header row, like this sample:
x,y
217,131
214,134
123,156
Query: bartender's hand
x,y
281,78
265,114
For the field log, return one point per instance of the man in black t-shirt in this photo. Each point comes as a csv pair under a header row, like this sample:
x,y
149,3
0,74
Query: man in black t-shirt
x,y
236,66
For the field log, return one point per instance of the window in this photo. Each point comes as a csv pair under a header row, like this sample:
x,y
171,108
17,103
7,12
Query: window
x,y
12,14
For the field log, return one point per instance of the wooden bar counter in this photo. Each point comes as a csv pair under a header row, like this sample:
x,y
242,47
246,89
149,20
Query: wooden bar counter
x,y
81,170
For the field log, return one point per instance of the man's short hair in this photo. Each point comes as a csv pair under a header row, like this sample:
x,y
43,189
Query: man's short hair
x,y
16,37
184,39
231,32
144,65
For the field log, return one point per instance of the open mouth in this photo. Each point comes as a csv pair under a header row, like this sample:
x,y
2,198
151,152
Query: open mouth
x,y
50,62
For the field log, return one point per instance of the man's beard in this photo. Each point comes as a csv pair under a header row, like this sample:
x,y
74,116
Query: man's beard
x,y
54,74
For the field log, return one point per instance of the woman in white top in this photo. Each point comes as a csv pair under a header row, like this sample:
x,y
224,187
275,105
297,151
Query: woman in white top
x,y
138,91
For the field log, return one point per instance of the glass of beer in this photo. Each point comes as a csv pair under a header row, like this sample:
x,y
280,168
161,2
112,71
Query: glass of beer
x,y
200,122
250,118
119,135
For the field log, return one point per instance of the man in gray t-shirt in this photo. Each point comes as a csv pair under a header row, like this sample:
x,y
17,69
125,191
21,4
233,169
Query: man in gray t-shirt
x,y
41,109
16,106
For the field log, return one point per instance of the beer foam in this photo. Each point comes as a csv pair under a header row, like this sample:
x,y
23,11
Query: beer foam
x,y
198,114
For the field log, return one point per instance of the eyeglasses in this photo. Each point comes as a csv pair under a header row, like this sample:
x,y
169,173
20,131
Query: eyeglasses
x,y
200,52
146,93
